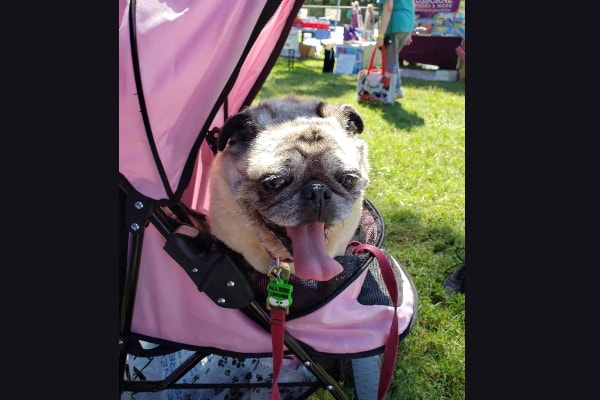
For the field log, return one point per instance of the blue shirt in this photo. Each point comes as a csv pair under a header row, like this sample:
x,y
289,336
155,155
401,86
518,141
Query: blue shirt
x,y
403,16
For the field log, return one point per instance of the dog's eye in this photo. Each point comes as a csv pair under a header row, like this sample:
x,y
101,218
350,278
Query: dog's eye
x,y
273,182
348,181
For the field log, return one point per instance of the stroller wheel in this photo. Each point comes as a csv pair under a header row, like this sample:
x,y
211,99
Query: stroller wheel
x,y
365,372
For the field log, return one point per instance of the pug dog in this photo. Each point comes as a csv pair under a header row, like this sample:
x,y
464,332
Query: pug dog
x,y
288,182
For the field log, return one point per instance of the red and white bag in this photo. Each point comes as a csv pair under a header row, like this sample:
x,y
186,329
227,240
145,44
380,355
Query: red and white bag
x,y
376,85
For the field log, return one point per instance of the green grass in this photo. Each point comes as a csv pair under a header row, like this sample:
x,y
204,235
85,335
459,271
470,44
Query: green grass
x,y
417,149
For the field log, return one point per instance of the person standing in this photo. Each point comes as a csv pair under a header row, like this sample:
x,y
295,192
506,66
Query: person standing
x,y
357,18
370,21
396,21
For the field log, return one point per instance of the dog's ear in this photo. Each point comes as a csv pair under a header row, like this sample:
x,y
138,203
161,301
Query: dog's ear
x,y
238,128
345,113
354,122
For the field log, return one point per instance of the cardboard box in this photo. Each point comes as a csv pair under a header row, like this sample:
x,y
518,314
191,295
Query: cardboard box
x,y
307,51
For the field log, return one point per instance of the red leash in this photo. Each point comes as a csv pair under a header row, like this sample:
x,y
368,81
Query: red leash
x,y
277,330
279,300
388,364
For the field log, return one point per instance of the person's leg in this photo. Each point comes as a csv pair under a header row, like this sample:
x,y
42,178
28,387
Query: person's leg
x,y
391,57
391,60
398,40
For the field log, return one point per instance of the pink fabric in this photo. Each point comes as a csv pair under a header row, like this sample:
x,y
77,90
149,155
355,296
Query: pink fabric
x,y
344,326
169,306
185,62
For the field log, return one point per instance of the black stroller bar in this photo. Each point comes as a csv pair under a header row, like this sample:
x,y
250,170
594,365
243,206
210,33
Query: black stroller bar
x,y
213,272
178,373
211,269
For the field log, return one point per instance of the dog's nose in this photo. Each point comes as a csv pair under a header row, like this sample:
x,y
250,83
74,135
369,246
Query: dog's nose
x,y
316,194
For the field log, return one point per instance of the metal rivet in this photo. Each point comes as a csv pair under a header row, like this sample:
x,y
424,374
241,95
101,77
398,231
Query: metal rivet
x,y
221,300
139,205
194,269
330,388
135,226
307,363
230,283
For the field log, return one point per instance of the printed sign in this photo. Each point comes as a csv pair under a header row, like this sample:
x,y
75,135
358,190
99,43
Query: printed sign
x,y
428,8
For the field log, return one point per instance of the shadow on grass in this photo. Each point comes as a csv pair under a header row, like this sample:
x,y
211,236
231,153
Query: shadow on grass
x,y
439,248
429,252
397,116
305,80
305,77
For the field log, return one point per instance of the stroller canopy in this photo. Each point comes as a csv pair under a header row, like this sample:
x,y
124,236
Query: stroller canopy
x,y
191,61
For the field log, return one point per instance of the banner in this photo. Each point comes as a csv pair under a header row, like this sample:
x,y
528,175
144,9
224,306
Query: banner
x,y
428,8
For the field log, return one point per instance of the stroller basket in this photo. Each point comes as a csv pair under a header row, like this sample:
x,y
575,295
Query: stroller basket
x,y
156,366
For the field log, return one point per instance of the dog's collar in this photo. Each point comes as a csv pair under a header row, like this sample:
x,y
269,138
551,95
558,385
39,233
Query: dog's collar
x,y
287,260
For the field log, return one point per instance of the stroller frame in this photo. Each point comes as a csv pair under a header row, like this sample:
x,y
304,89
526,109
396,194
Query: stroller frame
x,y
223,269
218,271
183,232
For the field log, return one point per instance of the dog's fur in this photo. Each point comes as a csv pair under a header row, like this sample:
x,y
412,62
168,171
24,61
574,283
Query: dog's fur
x,y
288,181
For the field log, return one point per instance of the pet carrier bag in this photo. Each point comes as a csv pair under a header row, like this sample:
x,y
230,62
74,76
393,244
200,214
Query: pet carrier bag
x,y
193,320
374,85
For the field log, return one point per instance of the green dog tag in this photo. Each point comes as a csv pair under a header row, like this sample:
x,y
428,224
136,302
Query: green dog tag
x,y
279,294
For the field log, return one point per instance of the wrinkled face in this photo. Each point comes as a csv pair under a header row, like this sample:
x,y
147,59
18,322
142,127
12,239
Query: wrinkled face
x,y
303,171
297,168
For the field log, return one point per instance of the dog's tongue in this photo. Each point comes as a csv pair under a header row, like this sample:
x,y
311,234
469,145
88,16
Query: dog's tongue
x,y
311,260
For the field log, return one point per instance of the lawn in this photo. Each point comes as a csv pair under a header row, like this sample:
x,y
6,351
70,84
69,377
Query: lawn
x,y
417,155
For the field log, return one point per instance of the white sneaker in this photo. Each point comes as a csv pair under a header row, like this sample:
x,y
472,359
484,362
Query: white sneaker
x,y
399,94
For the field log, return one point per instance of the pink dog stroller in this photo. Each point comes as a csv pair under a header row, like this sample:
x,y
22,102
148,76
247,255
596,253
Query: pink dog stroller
x,y
194,322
